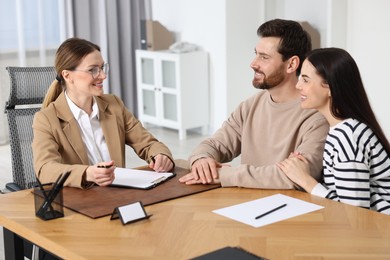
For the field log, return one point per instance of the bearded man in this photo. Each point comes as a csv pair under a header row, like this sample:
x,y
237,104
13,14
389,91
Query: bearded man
x,y
267,127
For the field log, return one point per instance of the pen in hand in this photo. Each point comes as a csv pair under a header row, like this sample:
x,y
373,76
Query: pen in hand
x,y
270,211
104,166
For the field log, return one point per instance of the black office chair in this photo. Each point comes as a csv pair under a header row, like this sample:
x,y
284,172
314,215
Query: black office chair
x,y
28,89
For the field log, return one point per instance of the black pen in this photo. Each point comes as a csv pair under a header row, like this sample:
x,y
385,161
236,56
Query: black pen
x,y
270,211
55,184
104,166
61,183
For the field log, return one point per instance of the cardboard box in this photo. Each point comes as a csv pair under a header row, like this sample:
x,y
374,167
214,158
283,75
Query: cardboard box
x,y
154,36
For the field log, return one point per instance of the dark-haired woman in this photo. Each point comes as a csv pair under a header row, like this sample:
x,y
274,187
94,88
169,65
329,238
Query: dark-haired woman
x,y
356,163
80,129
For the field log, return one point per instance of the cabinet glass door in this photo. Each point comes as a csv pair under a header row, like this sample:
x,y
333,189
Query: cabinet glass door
x,y
147,71
170,110
149,103
168,74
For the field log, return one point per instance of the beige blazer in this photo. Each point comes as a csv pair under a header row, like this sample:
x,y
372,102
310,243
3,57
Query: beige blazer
x,y
58,146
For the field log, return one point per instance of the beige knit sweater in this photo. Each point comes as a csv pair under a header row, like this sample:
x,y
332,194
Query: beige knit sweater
x,y
264,133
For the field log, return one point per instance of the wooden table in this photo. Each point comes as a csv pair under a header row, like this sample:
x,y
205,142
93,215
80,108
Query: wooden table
x,y
186,227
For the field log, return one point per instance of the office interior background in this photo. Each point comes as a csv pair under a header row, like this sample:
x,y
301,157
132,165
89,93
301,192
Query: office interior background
x,y
31,30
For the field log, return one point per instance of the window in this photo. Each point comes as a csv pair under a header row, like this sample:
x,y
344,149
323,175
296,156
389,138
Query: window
x,y
30,33
29,29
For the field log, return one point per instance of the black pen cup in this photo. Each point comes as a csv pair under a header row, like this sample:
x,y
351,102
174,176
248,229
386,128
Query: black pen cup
x,y
48,202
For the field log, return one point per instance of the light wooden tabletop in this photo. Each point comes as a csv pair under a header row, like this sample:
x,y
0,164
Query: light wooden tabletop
x,y
186,227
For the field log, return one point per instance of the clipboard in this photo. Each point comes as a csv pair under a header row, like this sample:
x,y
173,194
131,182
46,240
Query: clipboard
x,y
139,179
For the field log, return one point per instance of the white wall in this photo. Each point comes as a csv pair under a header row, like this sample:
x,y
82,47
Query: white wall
x,y
242,21
310,11
368,37
226,29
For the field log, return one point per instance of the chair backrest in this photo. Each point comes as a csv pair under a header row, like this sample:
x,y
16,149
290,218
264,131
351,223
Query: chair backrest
x,y
28,89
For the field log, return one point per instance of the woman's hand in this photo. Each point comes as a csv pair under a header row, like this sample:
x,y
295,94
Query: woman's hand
x,y
102,173
297,169
161,163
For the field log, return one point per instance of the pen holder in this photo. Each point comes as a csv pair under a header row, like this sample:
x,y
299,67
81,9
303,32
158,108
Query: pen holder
x,y
46,206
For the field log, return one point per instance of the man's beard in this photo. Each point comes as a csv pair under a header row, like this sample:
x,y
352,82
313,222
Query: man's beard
x,y
271,81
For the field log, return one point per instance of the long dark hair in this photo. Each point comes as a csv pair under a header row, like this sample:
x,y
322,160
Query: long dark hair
x,y
294,40
349,99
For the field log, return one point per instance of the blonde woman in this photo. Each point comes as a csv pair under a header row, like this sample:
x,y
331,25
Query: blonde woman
x,y
82,130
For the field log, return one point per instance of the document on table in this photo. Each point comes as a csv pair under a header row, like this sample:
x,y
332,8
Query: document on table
x,y
140,179
267,210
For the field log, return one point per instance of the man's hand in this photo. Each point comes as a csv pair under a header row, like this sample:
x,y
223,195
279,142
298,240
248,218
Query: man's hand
x,y
203,170
189,179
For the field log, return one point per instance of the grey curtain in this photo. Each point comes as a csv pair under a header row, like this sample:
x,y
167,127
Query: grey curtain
x,y
122,28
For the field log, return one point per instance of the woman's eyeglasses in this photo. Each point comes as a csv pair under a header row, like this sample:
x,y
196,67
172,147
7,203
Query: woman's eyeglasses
x,y
95,71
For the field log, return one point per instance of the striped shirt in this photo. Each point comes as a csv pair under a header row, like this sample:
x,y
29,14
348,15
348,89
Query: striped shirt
x,y
356,168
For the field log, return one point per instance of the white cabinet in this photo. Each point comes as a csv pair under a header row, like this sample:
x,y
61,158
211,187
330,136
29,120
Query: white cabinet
x,y
173,89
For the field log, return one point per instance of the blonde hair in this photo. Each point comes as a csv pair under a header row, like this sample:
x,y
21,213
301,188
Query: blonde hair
x,y
52,93
68,56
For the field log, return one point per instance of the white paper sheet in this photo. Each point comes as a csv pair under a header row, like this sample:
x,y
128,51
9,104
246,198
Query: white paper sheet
x,y
139,178
247,212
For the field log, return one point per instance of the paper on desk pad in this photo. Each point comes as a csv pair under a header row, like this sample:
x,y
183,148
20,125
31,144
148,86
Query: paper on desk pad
x,y
137,178
246,212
